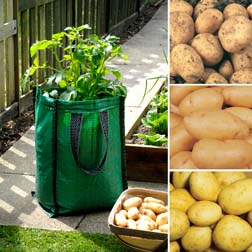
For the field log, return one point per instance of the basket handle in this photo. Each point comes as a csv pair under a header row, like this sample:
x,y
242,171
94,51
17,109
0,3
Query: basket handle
x,y
75,134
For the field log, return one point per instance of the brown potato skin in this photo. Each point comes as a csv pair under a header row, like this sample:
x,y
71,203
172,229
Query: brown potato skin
x,y
216,78
226,69
227,154
218,124
182,160
203,5
200,99
235,33
242,59
206,74
209,48
242,76
181,6
187,63
234,9
209,21
249,10
181,28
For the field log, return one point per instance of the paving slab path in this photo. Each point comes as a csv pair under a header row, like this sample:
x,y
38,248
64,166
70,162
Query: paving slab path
x,y
17,165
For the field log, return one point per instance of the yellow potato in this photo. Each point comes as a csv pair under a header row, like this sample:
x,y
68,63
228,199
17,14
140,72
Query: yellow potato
x,y
204,213
242,59
187,63
150,220
181,199
208,47
181,28
227,178
218,124
133,213
180,140
242,76
171,187
204,5
236,198
178,93
249,10
209,21
249,217
120,220
204,186
234,9
235,33
144,225
152,199
216,78
226,69
174,247
232,234
162,219
148,213
206,74
182,160
248,138
181,6
174,109
155,207
132,202
164,228
175,120
181,179
179,224
227,154
205,98
197,239
244,114
131,224
238,96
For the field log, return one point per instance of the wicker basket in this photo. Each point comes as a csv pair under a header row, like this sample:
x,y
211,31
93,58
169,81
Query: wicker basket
x,y
137,239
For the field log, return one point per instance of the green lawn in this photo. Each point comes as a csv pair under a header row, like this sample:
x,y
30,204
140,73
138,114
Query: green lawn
x,y
17,239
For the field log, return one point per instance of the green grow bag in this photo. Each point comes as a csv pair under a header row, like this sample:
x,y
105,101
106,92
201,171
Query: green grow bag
x,y
80,155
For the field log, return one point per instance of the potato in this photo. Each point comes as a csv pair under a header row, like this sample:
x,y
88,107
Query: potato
x,y
209,21
174,109
208,47
132,202
204,5
181,179
232,234
204,186
174,247
235,33
205,98
120,220
182,160
181,6
179,224
180,140
162,219
155,207
249,249
249,217
181,28
234,9
171,187
124,212
249,10
243,76
164,228
147,218
178,93
187,63
143,225
227,178
245,114
175,120
216,78
181,199
218,124
133,213
248,139
131,224
172,70
152,199
148,213
236,198
238,96
197,239
204,213
206,74
226,69
242,59
227,154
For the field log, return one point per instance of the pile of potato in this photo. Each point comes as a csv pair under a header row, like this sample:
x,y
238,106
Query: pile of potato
x,y
210,127
210,211
208,45
148,214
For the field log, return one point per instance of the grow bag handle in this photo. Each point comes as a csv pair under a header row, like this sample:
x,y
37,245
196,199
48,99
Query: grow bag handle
x,y
75,133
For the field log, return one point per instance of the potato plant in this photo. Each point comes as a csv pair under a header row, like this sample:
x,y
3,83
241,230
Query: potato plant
x,y
211,42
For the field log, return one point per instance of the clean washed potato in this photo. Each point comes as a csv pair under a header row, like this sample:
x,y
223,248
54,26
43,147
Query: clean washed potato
x,y
215,125
236,198
191,241
227,154
232,233
181,179
182,160
174,247
204,213
187,63
179,224
204,186
181,199
201,99
242,76
175,120
240,96
209,21
245,114
227,178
